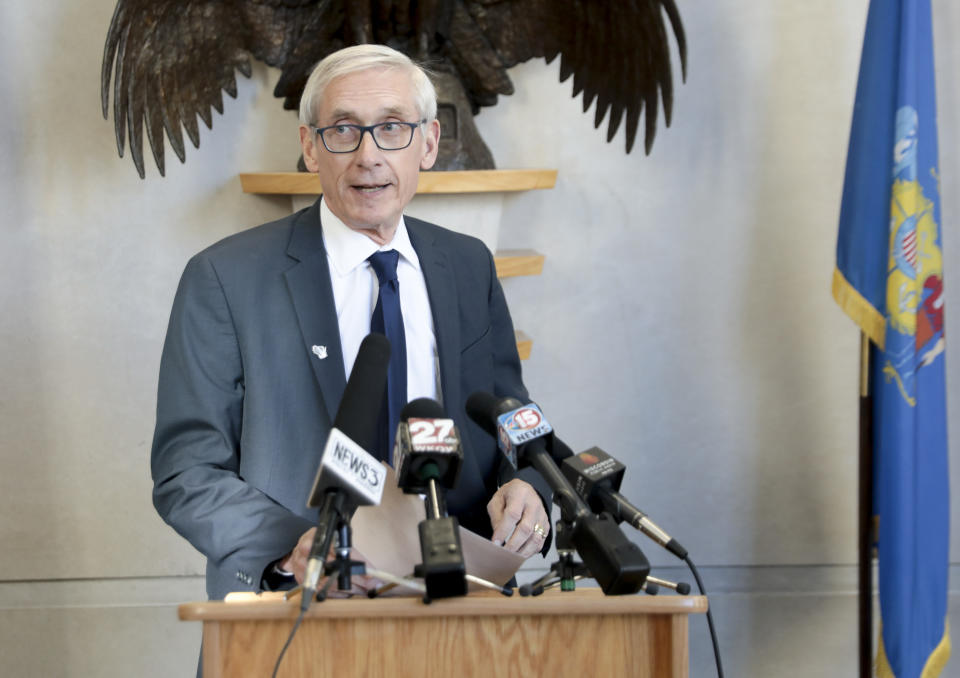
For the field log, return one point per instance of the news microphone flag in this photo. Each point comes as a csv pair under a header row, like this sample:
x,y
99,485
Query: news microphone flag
x,y
889,279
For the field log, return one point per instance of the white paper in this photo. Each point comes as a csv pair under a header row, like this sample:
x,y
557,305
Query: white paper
x,y
387,538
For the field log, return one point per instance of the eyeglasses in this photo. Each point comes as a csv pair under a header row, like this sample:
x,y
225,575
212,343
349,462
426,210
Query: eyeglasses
x,y
388,136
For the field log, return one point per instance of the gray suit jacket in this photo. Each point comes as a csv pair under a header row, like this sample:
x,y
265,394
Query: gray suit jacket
x,y
244,406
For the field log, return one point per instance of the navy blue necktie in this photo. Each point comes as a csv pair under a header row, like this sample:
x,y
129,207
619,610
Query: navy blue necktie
x,y
388,320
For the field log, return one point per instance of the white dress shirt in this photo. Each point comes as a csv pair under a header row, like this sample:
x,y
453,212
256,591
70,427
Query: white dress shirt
x,y
355,292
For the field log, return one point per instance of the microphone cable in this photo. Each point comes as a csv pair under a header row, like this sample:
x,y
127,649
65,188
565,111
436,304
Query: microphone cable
x,y
713,632
356,418
293,632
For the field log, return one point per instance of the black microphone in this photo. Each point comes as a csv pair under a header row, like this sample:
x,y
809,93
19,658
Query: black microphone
x,y
427,448
359,409
617,564
428,456
596,476
516,426
348,476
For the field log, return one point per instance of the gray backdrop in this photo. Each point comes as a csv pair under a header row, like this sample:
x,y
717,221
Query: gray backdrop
x,y
683,322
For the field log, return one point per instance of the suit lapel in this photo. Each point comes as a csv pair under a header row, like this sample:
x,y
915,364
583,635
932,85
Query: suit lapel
x,y
442,290
438,272
312,295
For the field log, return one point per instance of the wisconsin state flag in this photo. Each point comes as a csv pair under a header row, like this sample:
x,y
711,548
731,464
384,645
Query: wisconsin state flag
x,y
889,279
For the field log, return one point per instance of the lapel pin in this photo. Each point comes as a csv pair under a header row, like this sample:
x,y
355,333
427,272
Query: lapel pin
x,y
320,352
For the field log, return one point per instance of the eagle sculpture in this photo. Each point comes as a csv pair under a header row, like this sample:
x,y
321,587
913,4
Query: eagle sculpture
x,y
171,60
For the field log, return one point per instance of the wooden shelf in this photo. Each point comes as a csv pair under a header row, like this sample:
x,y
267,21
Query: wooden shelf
x,y
472,181
512,263
524,344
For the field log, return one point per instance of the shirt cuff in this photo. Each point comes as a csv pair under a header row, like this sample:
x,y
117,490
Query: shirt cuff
x,y
276,579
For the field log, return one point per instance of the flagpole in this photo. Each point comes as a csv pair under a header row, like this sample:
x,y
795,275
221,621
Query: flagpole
x,y
865,514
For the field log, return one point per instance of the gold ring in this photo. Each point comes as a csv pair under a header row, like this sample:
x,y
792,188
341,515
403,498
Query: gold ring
x,y
539,530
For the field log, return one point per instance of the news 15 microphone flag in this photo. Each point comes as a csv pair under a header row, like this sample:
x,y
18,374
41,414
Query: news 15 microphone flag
x,y
889,279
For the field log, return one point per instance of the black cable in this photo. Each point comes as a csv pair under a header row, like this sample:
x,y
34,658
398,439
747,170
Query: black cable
x,y
293,632
713,632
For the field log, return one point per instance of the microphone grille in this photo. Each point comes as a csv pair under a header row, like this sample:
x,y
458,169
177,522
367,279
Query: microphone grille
x,y
422,408
484,408
360,405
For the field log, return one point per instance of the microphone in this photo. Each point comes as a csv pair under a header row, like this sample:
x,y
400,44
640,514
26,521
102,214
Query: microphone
x,y
520,432
680,587
428,455
617,564
596,477
348,476
427,448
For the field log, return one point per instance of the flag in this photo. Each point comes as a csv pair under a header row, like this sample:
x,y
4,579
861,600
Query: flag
x,y
889,280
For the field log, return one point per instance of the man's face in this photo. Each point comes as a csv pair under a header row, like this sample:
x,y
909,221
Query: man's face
x,y
369,188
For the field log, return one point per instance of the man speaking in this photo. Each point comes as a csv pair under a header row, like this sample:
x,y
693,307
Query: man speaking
x,y
266,324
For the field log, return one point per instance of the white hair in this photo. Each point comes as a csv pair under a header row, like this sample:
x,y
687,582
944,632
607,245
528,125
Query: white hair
x,y
361,58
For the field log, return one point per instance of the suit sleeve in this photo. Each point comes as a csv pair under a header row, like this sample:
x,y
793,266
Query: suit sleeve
x,y
509,382
195,459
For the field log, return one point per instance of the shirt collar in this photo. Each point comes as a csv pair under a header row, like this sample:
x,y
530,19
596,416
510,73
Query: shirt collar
x,y
347,249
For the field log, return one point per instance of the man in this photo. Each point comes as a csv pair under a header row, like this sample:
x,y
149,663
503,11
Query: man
x,y
266,325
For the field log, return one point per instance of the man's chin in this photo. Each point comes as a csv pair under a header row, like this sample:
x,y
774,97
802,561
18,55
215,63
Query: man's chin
x,y
371,214
371,224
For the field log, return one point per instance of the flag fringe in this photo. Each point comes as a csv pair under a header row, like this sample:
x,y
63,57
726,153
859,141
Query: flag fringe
x,y
861,311
936,662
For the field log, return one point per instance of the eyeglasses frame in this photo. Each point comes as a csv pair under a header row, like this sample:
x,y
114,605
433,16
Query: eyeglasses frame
x,y
368,128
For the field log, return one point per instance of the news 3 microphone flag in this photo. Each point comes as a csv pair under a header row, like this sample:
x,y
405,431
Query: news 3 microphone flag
x,y
889,279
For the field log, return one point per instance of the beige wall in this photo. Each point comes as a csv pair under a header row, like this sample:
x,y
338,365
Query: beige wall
x,y
683,323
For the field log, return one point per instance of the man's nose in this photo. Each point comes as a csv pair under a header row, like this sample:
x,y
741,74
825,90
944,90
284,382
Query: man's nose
x,y
368,152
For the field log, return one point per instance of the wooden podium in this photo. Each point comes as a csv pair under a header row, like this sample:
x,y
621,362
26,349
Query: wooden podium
x,y
577,633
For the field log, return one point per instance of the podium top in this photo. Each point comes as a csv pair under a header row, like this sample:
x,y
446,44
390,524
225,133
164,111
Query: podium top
x,y
554,602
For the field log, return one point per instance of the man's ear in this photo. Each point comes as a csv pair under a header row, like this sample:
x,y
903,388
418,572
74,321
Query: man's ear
x,y
308,144
431,138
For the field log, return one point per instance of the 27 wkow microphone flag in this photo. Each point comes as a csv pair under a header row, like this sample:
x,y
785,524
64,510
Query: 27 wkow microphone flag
x,y
889,279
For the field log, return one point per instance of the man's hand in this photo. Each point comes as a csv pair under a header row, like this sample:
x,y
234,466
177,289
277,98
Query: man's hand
x,y
296,562
519,521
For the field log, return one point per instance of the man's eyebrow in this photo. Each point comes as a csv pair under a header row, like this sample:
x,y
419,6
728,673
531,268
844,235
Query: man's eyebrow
x,y
395,111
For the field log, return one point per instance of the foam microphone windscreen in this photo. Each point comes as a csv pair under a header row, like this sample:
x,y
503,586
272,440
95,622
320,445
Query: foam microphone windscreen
x,y
360,406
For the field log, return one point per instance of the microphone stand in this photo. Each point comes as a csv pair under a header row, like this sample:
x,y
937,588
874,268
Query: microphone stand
x,y
442,567
565,571
393,582
342,565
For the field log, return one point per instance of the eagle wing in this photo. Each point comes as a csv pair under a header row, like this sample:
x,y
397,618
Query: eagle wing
x,y
171,60
617,52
